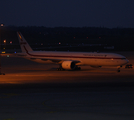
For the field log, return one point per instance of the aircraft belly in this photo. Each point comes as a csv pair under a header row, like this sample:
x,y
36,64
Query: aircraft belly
x,y
102,62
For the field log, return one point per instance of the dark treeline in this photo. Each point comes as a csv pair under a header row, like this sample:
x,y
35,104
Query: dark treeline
x,y
121,38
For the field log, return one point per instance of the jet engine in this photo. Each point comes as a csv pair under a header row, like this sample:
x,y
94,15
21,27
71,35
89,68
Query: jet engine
x,y
68,65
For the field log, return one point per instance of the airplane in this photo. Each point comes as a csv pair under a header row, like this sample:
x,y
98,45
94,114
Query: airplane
x,y
71,60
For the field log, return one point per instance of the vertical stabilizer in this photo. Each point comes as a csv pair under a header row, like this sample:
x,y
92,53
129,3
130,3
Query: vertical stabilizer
x,y
23,43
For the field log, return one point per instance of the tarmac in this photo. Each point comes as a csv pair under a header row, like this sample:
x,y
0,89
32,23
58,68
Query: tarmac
x,y
36,91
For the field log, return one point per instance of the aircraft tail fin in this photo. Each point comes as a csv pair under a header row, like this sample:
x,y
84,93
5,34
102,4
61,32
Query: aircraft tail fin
x,y
25,47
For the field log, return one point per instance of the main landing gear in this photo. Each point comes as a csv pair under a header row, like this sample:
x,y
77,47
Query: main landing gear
x,y
60,69
118,68
77,68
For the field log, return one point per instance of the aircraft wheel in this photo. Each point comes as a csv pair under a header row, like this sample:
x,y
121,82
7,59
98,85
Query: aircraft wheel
x,y
60,69
79,68
118,70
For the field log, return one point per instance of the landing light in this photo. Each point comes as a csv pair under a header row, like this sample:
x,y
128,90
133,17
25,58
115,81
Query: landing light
x,y
4,41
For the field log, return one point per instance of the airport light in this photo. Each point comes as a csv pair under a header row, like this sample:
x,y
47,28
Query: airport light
x,y
3,52
0,48
4,41
1,24
11,42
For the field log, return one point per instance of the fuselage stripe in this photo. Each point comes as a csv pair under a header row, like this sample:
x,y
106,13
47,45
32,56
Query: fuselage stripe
x,y
68,56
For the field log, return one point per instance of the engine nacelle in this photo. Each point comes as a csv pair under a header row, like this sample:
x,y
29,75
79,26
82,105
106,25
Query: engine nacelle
x,y
68,65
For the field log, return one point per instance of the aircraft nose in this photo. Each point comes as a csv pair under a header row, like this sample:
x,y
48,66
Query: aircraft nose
x,y
127,61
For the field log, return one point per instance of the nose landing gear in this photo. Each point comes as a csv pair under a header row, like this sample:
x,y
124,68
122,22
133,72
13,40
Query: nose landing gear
x,y
118,68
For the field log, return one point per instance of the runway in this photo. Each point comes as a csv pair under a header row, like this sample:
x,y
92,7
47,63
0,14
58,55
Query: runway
x,y
37,91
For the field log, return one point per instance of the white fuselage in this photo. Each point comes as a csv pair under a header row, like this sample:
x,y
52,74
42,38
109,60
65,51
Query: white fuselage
x,y
85,58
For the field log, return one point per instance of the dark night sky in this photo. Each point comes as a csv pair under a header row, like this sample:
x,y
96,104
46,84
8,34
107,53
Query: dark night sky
x,y
68,13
